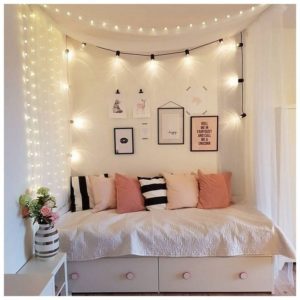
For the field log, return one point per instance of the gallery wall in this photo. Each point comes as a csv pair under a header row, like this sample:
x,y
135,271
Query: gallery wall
x,y
36,122
199,83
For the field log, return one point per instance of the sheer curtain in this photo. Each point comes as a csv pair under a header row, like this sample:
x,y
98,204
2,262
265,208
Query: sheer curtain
x,y
265,152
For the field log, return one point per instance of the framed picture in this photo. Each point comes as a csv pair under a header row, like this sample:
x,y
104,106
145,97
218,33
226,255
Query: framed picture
x,y
170,125
123,140
204,133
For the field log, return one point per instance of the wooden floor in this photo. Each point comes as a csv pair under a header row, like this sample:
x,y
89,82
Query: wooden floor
x,y
282,288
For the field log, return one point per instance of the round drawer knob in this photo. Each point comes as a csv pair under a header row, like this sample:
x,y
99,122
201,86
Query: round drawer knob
x,y
129,275
74,276
243,275
186,275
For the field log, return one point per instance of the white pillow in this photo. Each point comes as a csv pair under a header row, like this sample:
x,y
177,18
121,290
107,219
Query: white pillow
x,y
104,193
182,190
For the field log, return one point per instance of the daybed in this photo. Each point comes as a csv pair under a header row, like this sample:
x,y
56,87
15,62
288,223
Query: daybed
x,y
184,250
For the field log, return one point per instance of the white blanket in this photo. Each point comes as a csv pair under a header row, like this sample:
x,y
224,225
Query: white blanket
x,y
190,232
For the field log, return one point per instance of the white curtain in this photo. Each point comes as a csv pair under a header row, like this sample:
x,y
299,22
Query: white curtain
x,y
265,150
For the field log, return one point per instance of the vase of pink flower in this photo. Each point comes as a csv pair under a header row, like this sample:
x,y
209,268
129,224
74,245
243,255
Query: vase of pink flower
x,y
40,209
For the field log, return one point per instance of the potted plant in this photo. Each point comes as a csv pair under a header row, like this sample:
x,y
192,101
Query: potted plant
x,y
40,209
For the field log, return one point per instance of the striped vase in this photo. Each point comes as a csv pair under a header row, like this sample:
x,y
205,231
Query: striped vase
x,y
46,241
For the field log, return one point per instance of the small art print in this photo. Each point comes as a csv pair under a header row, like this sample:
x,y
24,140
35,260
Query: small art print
x,y
117,108
204,133
141,108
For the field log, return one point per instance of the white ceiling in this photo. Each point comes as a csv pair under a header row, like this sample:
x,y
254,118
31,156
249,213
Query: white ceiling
x,y
98,24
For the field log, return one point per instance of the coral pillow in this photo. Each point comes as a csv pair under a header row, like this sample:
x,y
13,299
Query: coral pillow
x,y
104,193
215,190
129,196
182,190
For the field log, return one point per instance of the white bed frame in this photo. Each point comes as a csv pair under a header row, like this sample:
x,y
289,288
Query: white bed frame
x,y
168,274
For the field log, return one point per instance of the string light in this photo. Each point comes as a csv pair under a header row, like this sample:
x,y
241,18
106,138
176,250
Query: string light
x,y
152,55
241,80
187,52
151,30
83,45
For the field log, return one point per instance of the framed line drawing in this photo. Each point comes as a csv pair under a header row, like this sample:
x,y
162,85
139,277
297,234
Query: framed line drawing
x,y
170,125
204,133
123,140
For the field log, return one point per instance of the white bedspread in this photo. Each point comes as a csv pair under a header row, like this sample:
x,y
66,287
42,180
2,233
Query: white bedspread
x,y
236,230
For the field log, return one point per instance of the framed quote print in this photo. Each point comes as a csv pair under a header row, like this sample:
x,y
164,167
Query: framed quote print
x,y
123,140
170,125
204,133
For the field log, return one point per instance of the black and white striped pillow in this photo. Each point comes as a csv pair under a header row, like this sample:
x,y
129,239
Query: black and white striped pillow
x,y
81,193
154,191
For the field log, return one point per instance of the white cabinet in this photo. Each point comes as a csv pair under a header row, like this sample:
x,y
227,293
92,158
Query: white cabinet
x,y
55,267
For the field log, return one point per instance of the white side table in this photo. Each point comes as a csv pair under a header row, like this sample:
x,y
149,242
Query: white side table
x,y
28,285
56,266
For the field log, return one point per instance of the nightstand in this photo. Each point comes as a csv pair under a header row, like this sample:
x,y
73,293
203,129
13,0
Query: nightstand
x,y
28,285
55,266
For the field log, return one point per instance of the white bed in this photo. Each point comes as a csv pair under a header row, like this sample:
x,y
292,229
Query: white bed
x,y
150,246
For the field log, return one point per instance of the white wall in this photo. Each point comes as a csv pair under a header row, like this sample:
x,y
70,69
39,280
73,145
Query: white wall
x,y
36,121
94,77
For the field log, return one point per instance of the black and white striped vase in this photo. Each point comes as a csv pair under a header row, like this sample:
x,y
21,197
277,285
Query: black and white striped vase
x,y
46,241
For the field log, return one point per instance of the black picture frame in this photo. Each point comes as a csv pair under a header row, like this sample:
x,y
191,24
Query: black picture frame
x,y
164,135
122,136
204,133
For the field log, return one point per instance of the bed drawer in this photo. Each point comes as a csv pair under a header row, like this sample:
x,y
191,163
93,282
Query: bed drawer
x,y
216,274
120,274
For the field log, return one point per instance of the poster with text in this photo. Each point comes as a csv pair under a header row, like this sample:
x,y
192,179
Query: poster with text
x,y
204,133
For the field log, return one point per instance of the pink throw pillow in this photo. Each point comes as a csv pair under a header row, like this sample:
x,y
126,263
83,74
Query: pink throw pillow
x,y
129,196
104,193
182,190
214,190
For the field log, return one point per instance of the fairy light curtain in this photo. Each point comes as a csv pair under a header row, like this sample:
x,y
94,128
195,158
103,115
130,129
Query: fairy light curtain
x,y
46,103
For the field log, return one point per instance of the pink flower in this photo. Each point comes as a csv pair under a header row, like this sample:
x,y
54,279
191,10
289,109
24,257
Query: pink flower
x,y
54,216
45,211
25,212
